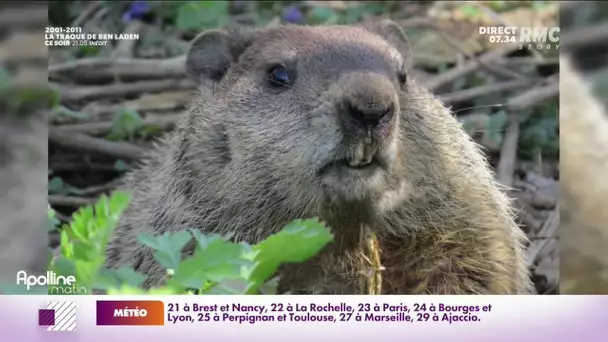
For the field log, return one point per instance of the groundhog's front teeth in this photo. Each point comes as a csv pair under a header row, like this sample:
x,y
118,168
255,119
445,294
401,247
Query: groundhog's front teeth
x,y
358,157
362,156
362,160
354,162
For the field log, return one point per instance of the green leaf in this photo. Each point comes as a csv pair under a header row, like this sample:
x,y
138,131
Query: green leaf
x,y
119,201
459,84
83,242
132,290
5,80
354,13
129,276
62,110
52,221
214,260
203,240
198,15
540,5
82,223
497,5
496,126
88,50
55,98
57,186
296,243
84,251
470,11
50,256
67,249
13,289
126,290
120,165
115,278
321,15
64,266
125,124
86,272
168,247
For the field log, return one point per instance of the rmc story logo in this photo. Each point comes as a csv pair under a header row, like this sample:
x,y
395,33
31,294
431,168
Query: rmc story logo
x,y
540,38
57,284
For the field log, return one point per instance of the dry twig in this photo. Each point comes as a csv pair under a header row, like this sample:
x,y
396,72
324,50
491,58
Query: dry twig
x,y
122,89
438,81
69,201
470,93
164,121
97,67
85,143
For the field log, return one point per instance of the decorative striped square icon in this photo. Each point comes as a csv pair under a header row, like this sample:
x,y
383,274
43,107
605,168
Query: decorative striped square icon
x,y
46,317
58,316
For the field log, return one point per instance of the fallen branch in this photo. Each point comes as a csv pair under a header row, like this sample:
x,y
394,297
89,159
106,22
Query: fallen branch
x,y
59,166
170,101
529,61
468,94
499,69
83,142
437,82
99,189
508,152
107,68
164,121
535,95
69,201
549,230
121,89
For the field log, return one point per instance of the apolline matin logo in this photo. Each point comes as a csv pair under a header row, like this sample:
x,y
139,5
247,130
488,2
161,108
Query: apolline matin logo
x,y
57,285
58,316
130,312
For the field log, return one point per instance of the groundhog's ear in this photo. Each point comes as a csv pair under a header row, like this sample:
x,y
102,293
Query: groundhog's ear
x,y
390,31
213,52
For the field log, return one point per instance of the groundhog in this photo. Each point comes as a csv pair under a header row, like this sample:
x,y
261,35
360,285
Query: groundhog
x,y
299,122
584,164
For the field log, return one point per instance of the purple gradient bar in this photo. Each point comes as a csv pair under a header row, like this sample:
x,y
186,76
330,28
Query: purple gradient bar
x,y
504,319
46,317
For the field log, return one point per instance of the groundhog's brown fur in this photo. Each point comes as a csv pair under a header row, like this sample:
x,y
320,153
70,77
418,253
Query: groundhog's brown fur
x,y
251,157
584,165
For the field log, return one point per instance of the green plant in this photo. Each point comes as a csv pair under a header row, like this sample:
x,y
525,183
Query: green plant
x,y
199,15
125,125
217,265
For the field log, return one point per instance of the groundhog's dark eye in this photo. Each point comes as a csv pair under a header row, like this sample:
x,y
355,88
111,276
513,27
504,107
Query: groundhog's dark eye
x,y
280,77
402,77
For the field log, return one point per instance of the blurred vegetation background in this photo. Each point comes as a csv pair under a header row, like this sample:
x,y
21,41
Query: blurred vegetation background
x,y
113,100
584,230
25,101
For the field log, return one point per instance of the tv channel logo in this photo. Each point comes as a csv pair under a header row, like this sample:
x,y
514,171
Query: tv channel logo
x,y
58,316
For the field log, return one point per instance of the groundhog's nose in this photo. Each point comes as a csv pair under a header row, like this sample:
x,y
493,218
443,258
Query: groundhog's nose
x,y
368,100
368,114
